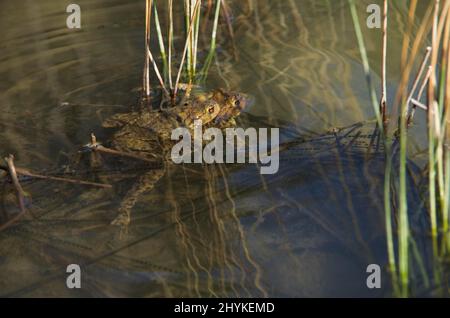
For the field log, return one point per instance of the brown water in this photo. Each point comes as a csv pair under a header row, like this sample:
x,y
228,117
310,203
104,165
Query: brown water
x,y
309,230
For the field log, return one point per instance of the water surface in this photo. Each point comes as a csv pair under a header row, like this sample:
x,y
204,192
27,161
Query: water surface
x,y
309,230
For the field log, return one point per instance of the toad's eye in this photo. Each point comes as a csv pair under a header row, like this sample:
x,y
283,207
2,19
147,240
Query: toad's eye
x,y
211,110
237,103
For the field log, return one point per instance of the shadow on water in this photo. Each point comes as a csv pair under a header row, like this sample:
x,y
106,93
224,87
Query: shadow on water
x,y
205,230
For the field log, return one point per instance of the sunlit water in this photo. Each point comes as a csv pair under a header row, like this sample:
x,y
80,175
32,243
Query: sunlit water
x,y
309,230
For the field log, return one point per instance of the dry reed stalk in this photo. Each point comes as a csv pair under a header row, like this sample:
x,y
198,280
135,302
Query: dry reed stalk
x,y
416,103
149,55
162,48
170,44
158,74
190,18
418,77
146,79
403,84
419,95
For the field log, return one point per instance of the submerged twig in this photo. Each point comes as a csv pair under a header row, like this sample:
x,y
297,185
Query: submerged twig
x,y
13,174
19,192
122,154
21,195
67,104
95,146
28,173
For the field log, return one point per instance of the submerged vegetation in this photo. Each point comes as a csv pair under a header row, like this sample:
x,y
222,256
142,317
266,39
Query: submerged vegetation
x,y
433,75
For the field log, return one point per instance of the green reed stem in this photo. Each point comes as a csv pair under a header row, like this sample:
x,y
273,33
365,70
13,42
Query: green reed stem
x,y
192,13
387,142
388,215
419,260
440,158
212,49
403,226
189,32
365,62
443,155
196,32
431,180
445,203
445,89
445,208
432,109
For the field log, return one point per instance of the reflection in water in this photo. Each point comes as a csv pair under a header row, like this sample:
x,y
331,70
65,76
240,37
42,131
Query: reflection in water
x,y
222,230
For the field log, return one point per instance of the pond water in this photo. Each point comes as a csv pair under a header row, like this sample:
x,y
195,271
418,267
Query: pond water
x,y
309,230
